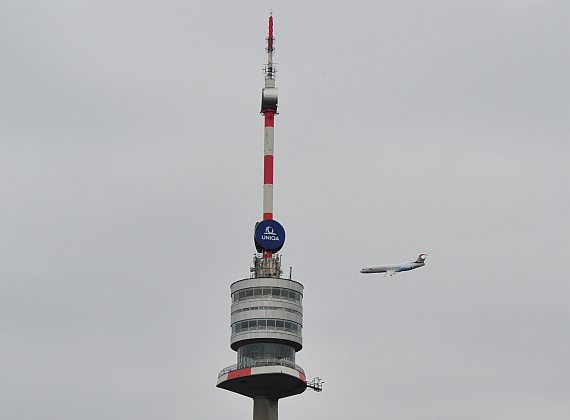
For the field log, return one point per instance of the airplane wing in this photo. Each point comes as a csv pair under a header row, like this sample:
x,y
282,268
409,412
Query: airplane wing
x,y
390,273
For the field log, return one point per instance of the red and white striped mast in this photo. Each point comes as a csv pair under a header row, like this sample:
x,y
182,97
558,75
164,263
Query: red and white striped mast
x,y
269,110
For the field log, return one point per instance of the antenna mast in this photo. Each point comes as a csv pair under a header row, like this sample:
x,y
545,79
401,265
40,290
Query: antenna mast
x,y
269,110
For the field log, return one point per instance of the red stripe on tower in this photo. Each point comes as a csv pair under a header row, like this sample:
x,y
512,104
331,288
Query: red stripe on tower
x,y
268,169
270,39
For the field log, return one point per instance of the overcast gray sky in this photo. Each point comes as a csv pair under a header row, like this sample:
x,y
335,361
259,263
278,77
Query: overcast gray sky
x,y
131,172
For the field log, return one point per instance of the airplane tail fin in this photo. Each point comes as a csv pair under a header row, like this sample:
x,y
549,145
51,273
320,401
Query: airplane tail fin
x,y
421,258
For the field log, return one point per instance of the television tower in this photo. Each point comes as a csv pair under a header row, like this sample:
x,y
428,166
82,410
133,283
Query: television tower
x,y
267,309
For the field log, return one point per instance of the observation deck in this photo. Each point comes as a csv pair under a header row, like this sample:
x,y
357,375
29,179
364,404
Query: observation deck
x,y
273,378
266,332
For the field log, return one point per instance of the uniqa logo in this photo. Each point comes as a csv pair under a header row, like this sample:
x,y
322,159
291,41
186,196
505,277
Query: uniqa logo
x,y
270,234
269,230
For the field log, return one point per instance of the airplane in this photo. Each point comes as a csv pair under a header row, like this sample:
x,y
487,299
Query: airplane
x,y
392,269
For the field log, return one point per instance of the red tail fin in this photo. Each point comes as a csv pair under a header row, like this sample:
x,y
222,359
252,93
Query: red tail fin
x,y
421,258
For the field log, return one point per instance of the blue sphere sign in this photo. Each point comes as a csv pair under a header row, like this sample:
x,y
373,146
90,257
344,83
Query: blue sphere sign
x,y
270,235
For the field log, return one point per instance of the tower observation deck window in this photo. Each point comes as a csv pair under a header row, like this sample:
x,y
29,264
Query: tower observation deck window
x,y
264,351
267,293
267,324
274,308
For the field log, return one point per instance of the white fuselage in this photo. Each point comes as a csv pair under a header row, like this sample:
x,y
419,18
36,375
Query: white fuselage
x,y
394,268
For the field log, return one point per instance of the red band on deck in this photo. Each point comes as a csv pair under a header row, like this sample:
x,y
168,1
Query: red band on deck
x,y
238,373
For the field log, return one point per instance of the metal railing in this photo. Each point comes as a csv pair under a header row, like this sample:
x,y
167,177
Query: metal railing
x,y
262,362
316,384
